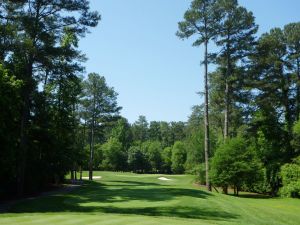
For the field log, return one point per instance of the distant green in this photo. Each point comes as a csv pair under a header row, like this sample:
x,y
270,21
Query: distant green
x,y
127,198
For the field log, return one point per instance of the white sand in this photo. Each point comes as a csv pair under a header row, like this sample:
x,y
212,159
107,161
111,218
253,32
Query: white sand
x,y
163,178
94,177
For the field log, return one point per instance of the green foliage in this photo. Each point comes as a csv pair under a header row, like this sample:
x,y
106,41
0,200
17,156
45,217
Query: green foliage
x,y
167,159
52,121
194,145
237,29
178,131
38,45
296,137
270,146
152,152
98,155
154,131
137,160
201,18
200,172
166,135
234,164
114,158
178,157
99,108
140,129
290,174
297,128
10,91
123,133
99,100
154,156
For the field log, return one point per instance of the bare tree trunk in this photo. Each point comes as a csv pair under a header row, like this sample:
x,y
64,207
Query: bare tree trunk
x,y
298,90
91,153
215,189
92,142
84,143
25,115
206,121
226,119
287,115
225,189
80,173
72,175
22,154
226,113
46,80
21,166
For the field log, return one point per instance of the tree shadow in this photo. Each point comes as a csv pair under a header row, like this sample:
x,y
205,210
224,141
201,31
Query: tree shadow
x,y
252,195
94,197
134,183
143,191
171,211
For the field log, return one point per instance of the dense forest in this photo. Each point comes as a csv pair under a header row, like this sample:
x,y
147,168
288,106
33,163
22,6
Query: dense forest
x,y
55,118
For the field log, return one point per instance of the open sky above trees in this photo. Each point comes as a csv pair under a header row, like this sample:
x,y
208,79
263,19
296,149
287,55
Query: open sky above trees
x,y
155,73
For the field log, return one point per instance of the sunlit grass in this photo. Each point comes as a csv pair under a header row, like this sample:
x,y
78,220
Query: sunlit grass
x,y
127,198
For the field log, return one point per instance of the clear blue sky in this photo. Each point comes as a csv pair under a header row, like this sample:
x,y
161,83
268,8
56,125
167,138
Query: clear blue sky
x,y
155,73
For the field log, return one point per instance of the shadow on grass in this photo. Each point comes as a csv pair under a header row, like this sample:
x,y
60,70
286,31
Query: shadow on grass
x,y
95,197
134,183
252,195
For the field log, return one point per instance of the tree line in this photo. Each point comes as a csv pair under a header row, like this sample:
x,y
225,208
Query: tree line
x,y
155,147
40,86
251,97
53,120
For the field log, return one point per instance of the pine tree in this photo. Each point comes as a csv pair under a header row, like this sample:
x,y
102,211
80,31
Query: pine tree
x,y
40,27
202,19
100,106
236,39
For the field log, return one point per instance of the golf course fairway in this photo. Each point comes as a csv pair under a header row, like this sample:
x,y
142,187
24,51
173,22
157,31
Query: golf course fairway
x,y
127,198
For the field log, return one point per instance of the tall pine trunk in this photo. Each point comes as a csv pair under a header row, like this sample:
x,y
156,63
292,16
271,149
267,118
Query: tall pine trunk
x,y
22,154
92,141
25,114
298,90
21,161
80,173
206,121
91,152
226,113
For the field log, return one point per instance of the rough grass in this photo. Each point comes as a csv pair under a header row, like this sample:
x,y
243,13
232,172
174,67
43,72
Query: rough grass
x,y
125,198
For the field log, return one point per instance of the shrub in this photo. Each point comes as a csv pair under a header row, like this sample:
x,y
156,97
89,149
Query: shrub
x,y
290,174
235,164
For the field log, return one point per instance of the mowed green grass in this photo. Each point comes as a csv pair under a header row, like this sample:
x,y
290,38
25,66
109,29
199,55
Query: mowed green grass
x,y
126,198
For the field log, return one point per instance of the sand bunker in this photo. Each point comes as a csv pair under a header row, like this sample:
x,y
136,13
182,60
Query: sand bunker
x,y
94,177
163,178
